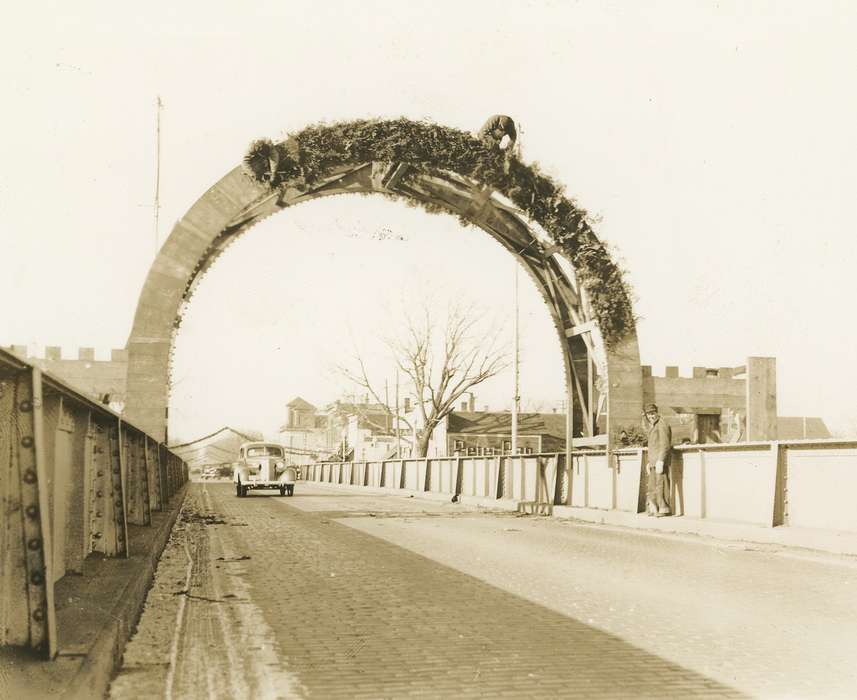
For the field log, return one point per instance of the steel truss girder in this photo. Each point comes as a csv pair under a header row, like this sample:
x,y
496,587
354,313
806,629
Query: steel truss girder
x,y
62,495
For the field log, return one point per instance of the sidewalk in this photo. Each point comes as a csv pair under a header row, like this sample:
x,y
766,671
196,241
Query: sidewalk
x,y
840,543
830,542
96,614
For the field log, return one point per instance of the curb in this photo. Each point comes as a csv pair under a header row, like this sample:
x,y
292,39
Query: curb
x,y
96,614
103,658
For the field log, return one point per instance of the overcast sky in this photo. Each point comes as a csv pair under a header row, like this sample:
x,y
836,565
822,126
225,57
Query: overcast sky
x,y
714,141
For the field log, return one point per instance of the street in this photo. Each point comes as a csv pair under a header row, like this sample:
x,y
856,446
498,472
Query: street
x,y
338,594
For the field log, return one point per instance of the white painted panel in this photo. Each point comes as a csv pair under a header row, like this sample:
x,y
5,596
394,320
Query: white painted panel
x,y
577,481
739,486
628,482
822,485
600,483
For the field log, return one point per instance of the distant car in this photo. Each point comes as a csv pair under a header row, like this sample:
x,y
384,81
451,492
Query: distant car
x,y
261,466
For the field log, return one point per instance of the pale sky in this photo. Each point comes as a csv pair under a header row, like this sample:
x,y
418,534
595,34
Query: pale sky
x,y
714,142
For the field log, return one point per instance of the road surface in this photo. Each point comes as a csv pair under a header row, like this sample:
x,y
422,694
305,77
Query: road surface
x,y
341,594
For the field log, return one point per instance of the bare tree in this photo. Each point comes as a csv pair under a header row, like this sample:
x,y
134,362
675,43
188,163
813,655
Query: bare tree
x,y
441,365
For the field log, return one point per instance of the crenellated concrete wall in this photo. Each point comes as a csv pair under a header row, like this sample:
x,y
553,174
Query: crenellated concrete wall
x,y
95,378
741,401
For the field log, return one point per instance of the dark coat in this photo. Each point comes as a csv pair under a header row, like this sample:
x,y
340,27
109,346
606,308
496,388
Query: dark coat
x,y
660,440
498,126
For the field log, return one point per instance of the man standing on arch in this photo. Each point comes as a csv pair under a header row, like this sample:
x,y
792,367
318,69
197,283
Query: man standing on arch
x,y
657,466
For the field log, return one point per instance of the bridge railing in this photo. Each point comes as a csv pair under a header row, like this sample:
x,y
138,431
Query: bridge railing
x,y
73,475
531,477
798,483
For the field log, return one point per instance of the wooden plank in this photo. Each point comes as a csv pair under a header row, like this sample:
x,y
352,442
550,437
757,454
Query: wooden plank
x,y
581,328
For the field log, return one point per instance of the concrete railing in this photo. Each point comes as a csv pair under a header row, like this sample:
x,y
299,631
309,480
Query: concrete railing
x,y
538,478
799,483
73,475
802,483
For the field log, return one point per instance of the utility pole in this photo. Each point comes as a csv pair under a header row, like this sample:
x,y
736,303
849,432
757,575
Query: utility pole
x,y
398,433
158,106
516,398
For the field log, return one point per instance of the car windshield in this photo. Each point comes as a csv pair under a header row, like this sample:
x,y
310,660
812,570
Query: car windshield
x,y
263,451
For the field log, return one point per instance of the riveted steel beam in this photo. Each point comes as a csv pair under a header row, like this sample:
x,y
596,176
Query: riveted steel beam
x,y
27,615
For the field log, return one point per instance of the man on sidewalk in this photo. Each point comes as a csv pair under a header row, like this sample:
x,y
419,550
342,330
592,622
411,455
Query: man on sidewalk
x,y
657,467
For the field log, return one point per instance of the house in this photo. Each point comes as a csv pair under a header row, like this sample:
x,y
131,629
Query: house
x,y
368,429
367,442
304,435
364,430
490,433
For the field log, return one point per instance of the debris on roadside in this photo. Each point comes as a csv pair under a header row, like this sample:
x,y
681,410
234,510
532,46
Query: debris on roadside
x,y
204,519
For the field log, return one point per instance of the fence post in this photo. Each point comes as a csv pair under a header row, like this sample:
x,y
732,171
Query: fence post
x,y
642,480
780,514
459,476
585,480
571,476
498,485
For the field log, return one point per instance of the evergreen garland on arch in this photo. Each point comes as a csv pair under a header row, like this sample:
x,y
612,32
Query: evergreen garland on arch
x,y
310,154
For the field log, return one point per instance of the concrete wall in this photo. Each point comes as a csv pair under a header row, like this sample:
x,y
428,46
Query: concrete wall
x,y
744,398
805,483
89,376
820,482
701,391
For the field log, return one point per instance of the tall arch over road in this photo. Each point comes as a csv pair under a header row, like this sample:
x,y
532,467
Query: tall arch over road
x,y
440,169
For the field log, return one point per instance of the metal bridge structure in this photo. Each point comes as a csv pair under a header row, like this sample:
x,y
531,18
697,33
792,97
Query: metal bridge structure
x,y
603,384
73,476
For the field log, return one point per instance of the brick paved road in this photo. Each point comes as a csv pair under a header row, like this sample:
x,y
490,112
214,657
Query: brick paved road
x,y
431,599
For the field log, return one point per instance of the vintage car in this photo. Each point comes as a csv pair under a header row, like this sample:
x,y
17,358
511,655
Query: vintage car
x,y
261,465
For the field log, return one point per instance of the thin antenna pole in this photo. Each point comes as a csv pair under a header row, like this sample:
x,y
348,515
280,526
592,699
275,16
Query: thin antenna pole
x,y
158,106
398,433
517,397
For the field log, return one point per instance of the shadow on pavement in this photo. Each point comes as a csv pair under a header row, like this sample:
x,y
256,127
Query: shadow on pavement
x,y
366,618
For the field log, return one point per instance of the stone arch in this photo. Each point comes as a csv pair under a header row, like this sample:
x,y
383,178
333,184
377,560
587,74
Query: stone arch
x,y
603,378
